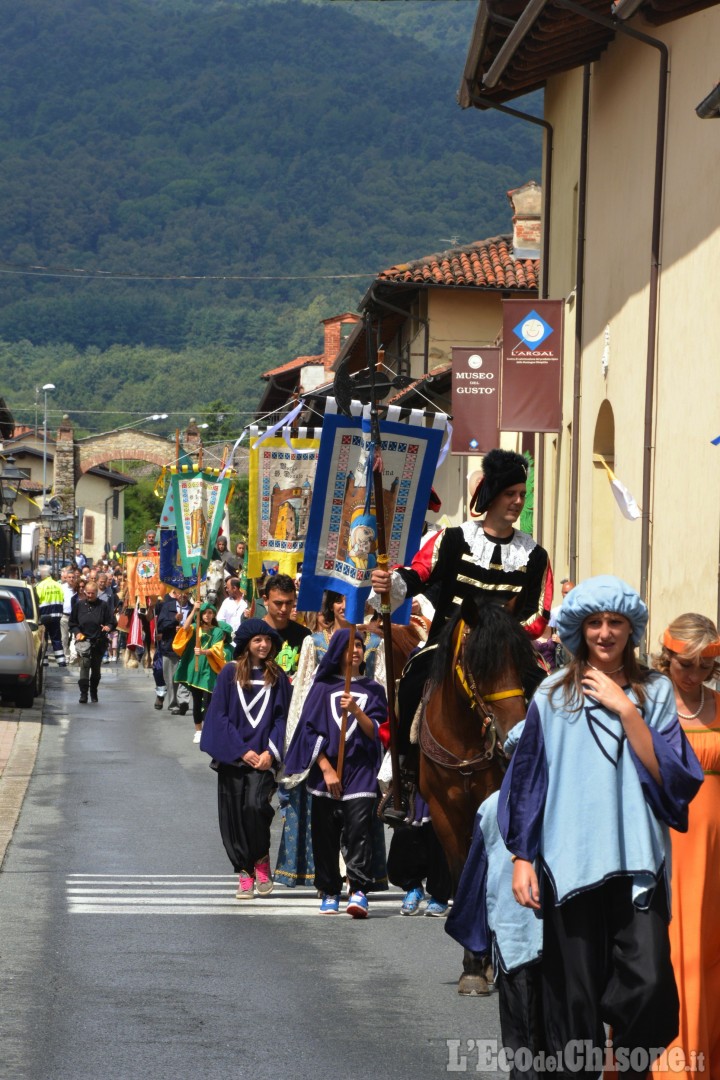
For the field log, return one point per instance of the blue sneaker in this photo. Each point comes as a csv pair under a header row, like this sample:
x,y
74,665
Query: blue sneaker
x,y
358,905
436,909
412,901
329,905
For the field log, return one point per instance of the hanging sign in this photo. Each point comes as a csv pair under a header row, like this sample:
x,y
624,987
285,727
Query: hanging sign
x,y
475,399
532,365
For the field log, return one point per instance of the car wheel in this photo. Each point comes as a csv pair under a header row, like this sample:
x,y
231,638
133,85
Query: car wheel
x,y
25,698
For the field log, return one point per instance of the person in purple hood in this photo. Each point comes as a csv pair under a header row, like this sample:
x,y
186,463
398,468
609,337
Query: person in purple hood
x,y
244,733
340,804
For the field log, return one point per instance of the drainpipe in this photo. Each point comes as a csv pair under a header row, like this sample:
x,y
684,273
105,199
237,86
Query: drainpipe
x,y
579,311
654,283
481,102
401,311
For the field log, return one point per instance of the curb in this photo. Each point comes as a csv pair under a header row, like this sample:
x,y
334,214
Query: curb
x,y
20,731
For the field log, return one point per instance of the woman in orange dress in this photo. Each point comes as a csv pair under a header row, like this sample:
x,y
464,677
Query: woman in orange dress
x,y
691,657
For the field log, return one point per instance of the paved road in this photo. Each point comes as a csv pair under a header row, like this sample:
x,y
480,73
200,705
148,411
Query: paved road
x,y
124,955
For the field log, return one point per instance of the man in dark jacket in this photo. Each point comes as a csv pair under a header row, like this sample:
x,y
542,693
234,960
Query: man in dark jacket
x,y
91,620
170,614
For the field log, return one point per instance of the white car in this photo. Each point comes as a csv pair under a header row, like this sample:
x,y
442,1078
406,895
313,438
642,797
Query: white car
x,y
21,670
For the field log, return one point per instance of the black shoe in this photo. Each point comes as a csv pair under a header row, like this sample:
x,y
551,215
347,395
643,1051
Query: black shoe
x,y
93,698
182,709
158,703
83,699
174,710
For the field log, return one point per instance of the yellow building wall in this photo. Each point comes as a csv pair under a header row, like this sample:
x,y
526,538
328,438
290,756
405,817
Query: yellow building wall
x,y
621,152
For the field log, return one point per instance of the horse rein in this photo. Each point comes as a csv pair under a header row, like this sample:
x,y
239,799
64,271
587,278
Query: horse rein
x,y
439,754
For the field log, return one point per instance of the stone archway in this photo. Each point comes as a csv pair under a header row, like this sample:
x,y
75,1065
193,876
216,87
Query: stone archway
x,y
73,457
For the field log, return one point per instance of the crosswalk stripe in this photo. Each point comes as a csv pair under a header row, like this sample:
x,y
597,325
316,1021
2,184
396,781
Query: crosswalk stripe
x,y
185,894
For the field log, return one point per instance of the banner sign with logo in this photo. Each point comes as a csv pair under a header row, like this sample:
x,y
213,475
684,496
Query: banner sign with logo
x,y
475,399
341,545
532,365
282,475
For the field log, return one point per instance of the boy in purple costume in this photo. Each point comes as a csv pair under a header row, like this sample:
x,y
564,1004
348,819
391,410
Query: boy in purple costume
x,y
340,805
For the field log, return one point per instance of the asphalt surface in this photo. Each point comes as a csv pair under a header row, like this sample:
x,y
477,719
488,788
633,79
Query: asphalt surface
x,y
124,955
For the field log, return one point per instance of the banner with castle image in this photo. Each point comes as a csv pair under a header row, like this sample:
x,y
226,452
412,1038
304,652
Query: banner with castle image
x,y
341,546
282,475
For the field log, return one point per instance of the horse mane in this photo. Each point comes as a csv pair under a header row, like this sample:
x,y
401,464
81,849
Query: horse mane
x,y
496,642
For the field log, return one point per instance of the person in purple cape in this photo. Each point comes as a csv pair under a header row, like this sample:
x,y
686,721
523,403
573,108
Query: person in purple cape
x,y
244,733
340,805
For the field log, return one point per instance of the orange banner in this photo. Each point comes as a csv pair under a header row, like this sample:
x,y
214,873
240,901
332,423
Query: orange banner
x,y
143,574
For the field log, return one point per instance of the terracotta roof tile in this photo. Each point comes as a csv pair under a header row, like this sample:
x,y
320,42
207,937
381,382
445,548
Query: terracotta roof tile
x,y
298,362
484,264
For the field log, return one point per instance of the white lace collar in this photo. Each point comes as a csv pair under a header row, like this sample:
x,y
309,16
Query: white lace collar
x,y
513,555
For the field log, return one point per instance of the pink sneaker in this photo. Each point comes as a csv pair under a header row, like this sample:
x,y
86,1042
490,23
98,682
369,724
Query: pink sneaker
x,y
263,877
245,887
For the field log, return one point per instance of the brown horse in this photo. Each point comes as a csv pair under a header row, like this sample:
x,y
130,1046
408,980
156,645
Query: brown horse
x,y
483,666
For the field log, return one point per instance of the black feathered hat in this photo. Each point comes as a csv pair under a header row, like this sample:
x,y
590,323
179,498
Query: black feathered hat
x,y
501,469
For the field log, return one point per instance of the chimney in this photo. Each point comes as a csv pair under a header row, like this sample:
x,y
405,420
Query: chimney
x,y
527,220
336,331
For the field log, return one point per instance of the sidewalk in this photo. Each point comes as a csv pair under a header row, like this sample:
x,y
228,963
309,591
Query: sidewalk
x,y
19,740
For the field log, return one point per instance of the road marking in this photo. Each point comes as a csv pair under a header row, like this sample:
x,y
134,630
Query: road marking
x,y
187,894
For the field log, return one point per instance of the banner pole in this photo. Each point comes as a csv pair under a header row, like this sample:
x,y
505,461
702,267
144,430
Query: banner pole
x,y
197,617
396,813
344,717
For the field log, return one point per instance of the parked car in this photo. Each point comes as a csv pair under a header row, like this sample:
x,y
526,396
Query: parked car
x,y
20,664
25,593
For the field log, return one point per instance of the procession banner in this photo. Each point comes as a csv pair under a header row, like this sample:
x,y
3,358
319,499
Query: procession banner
x,y
199,501
341,545
171,570
282,476
532,365
143,575
475,399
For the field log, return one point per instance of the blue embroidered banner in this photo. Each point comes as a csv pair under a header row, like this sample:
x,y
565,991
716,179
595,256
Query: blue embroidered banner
x,y
341,543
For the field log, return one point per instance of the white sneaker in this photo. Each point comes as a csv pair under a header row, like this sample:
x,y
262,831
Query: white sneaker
x,y
196,736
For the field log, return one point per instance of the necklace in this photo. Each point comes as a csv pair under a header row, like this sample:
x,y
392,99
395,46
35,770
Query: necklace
x,y
613,672
694,716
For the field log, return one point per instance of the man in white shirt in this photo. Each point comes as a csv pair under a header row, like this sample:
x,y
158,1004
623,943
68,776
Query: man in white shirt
x,y
234,605
69,579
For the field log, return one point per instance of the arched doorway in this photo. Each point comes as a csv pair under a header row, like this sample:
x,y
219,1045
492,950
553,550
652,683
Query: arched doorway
x,y
603,502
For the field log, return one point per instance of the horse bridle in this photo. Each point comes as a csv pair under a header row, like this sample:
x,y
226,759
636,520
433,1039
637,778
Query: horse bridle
x,y
439,754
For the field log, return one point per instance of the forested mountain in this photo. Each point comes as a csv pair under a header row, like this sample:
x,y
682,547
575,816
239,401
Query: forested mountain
x,y
203,182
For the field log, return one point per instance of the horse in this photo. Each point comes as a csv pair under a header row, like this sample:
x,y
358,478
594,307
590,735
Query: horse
x,y
483,664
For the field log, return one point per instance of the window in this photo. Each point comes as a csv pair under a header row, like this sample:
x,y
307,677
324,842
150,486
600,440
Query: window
x,y
88,529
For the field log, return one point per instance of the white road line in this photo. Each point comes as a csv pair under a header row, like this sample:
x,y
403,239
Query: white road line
x,y
185,894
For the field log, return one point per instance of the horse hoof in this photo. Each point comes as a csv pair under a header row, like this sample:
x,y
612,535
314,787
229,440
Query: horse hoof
x,y
473,986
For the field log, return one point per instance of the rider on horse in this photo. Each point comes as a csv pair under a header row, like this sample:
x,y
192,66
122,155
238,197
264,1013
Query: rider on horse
x,y
489,556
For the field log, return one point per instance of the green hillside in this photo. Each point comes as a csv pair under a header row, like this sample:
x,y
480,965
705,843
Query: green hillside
x,y
222,176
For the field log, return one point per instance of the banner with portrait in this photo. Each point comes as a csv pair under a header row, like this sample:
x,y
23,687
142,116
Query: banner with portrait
x,y
341,546
199,499
282,477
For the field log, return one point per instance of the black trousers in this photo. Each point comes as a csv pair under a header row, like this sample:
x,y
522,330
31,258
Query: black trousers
x,y
245,813
91,667
415,857
200,702
606,961
351,818
520,1006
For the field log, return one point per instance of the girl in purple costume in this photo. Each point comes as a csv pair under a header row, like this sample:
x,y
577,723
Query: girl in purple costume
x,y
244,733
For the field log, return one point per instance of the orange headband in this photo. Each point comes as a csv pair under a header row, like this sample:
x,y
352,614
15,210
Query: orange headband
x,y
713,649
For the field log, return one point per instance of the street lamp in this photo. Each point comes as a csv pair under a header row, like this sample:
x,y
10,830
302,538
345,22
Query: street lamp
x,y
135,423
47,388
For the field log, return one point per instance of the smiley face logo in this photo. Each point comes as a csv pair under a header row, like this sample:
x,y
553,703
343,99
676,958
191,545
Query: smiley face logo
x,y
533,330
